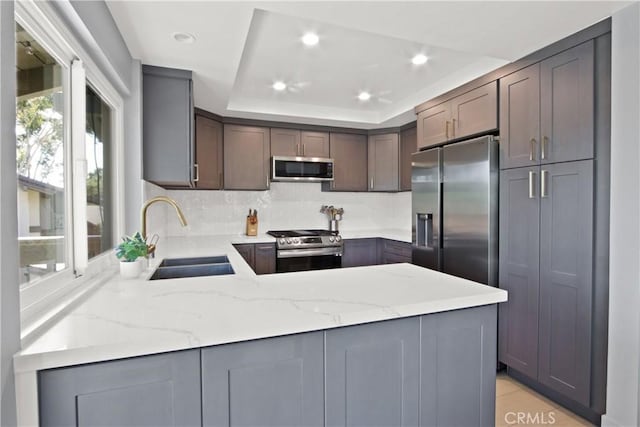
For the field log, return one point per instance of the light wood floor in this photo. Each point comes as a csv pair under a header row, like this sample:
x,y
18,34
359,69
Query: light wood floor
x,y
518,405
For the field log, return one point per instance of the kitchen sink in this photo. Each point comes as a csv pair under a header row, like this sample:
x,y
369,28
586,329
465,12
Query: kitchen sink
x,y
177,268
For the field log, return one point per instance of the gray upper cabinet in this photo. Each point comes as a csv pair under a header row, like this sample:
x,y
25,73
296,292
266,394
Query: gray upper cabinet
x,y
285,142
246,157
167,126
159,390
408,146
471,113
567,105
314,144
370,374
209,160
520,118
271,383
384,162
547,110
519,268
566,287
349,152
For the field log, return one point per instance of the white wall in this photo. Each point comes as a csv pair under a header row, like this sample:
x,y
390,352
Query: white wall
x,y
624,285
285,206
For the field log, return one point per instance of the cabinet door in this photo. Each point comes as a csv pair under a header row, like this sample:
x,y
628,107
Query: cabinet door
x,y
567,105
247,250
359,252
159,390
167,122
475,112
265,258
566,250
371,374
395,252
520,118
383,162
519,268
269,383
408,146
433,125
314,144
458,368
246,157
208,154
285,142
349,152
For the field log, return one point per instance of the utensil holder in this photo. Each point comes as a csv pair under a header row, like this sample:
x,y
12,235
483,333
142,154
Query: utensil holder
x,y
333,225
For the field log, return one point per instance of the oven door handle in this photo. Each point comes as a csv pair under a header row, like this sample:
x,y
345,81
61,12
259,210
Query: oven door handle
x,y
297,253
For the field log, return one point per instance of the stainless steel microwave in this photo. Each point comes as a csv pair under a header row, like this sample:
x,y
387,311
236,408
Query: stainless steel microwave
x,y
301,169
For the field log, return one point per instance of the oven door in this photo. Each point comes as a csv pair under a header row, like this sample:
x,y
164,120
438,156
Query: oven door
x,y
289,260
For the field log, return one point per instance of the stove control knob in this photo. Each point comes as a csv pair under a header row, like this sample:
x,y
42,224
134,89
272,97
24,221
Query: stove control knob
x,y
288,240
282,241
338,238
296,240
332,239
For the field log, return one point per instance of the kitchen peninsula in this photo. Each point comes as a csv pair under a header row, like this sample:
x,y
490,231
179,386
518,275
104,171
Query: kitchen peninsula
x,y
353,346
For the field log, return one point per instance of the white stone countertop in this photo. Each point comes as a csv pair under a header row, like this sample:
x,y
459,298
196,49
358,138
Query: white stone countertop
x,y
125,318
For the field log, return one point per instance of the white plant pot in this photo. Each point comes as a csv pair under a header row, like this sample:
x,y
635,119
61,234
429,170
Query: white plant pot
x,y
130,270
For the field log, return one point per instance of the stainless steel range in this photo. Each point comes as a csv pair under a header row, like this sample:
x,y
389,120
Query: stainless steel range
x,y
301,250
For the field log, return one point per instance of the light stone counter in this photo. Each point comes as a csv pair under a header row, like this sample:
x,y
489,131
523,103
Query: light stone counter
x,y
125,318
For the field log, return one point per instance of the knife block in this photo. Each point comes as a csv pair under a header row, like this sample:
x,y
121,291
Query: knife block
x,y
252,226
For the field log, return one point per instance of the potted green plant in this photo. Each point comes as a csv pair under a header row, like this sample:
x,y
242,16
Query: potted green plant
x,y
129,252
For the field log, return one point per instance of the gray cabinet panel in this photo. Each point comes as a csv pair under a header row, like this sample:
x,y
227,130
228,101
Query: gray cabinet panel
x,y
458,376
371,374
208,154
314,144
285,142
567,105
159,390
408,146
520,118
433,125
566,246
349,152
167,126
383,162
247,250
359,252
519,268
246,157
272,382
265,258
474,112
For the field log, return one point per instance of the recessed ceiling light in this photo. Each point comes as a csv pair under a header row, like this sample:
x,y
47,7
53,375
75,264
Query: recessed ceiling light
x,y
279,86
364,96
184,38
419,59
310,39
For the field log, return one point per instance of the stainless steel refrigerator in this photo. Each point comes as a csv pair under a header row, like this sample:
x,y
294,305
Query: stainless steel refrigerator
x,y
455,209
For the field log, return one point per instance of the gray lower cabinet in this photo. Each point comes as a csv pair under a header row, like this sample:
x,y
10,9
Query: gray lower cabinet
x,y
167,127
159,390
546,264
273,382
458,368
383,154
371,374
394,252
360,252
246,157
247,250
265,258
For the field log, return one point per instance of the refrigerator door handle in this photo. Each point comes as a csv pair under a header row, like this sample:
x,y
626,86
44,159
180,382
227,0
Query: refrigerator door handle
x,y
424,232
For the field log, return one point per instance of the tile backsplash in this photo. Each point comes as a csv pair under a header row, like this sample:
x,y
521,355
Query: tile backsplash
x,y
284,206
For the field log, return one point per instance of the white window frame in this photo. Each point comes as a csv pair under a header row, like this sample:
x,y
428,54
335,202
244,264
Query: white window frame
x,y
42,300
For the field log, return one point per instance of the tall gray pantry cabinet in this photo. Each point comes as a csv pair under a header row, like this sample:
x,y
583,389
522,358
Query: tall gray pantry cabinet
x,y
554,130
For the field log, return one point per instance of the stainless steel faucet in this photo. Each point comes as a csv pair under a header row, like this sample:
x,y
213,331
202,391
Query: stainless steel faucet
x,y
145,206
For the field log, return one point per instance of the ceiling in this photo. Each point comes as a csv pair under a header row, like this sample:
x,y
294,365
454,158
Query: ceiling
x,y
241,48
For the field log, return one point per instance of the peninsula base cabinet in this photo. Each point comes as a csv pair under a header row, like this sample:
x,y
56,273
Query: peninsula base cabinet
x,y
431,370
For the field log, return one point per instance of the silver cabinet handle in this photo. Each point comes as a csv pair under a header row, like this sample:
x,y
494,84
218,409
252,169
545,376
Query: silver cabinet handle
x,y
453,128
532,185
303,147
532,149
446,129
372,183
197,178
543,145
543,183
297,148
